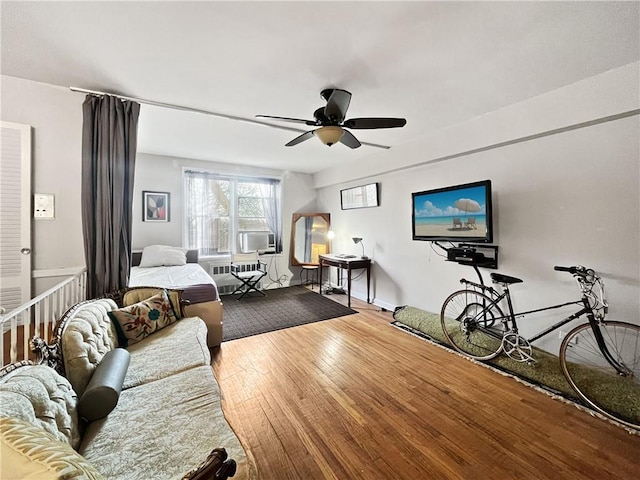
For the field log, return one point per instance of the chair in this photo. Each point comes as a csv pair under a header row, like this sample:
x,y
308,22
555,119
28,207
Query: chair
x,y
311,274
249,269
471,223
457,222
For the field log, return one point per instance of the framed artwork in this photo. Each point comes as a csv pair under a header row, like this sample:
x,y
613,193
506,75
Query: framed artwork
x,y
364,196
155,206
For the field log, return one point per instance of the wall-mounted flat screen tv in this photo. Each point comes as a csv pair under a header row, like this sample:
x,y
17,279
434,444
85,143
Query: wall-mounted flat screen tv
x,y
460,213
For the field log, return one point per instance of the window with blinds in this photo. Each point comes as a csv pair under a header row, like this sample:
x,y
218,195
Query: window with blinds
x,y
219,209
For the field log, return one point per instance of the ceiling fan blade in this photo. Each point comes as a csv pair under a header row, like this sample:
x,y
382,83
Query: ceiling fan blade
x,y
287,119
300,139
337,105
349,140
363,123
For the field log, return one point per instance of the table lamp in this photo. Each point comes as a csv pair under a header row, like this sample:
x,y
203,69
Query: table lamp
x,y
357,240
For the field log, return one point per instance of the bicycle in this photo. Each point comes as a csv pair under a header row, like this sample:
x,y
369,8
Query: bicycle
x,y
600,359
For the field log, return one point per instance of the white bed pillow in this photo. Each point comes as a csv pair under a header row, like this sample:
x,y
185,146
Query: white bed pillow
x,y
162,256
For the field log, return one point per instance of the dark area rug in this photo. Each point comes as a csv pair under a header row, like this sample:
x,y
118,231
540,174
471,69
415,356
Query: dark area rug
x,y
281,308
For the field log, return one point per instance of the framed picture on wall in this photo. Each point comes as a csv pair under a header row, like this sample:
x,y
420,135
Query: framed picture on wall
x,y
155,206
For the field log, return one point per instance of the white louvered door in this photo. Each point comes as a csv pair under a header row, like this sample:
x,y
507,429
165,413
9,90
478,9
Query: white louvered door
x,y
15,215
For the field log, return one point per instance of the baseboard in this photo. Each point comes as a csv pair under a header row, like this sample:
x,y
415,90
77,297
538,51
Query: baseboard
x,y
374,301
360,296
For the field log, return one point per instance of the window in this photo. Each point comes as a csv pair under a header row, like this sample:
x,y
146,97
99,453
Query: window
x,y
220,208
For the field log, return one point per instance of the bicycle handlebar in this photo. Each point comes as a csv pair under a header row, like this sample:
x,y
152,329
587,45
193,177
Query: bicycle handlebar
x,y
583,274
571,270
587,279
577,270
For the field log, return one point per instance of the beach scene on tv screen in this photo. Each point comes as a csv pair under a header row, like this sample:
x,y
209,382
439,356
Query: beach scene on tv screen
x,y
460,212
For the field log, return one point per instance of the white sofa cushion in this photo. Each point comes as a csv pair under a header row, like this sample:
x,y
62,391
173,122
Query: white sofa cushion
x,y
177,420
178,347
89,334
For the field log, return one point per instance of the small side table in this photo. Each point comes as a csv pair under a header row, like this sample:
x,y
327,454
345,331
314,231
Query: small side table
x,y
348,263
310,271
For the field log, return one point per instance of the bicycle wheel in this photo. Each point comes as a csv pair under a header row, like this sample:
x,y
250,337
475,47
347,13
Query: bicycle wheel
x,y
595,380
472,325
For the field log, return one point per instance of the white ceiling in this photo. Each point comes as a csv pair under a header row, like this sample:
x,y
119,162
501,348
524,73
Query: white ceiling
x,y
434,63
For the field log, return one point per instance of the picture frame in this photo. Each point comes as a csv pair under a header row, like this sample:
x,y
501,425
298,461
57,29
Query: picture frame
x,y
364,196
155,206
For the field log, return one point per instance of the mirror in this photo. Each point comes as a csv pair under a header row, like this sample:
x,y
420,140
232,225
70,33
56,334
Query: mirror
x,y
309,237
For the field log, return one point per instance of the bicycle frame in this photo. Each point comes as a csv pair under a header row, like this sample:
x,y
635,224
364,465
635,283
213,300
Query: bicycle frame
x,y
511,317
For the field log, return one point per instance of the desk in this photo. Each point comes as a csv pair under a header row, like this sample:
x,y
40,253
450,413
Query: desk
x,y
348,264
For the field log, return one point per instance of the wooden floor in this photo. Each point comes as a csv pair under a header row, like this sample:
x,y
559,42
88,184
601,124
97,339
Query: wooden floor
x,y
355,398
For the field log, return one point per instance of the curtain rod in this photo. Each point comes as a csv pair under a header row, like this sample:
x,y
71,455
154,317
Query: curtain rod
x,y
202,112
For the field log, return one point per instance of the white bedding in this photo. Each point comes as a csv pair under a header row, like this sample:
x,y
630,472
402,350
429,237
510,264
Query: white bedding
x,y
169,277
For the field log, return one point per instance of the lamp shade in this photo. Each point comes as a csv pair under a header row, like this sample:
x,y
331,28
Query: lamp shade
x,y
356,240
329,135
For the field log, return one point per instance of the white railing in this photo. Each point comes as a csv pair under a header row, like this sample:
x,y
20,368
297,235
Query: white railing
x,y
39,316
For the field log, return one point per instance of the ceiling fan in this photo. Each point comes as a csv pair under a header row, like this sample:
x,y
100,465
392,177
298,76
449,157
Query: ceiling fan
x,y
332,123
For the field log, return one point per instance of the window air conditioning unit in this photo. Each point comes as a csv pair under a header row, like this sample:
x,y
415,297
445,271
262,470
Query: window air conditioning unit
x,y
262,242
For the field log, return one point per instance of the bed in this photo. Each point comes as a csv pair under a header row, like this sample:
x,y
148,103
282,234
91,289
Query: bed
x,y
159,266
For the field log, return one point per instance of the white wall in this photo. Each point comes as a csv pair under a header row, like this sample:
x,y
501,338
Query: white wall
x,y
160,173
55,115
568,198
597,223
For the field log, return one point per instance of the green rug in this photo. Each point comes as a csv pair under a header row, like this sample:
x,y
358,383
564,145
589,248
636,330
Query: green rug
x,y
545,373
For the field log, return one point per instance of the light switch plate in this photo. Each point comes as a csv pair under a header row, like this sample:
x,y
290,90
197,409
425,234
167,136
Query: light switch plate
x,y
43,205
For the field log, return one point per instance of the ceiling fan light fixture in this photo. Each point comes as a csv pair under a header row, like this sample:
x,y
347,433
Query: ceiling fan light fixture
x,y
329,135
332,125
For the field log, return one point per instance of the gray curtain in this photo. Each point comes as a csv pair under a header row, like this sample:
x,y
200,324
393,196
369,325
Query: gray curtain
x,y
109,140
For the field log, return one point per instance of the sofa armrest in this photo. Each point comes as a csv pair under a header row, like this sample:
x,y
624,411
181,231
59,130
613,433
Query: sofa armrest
x,y
85,334
40,396
29,451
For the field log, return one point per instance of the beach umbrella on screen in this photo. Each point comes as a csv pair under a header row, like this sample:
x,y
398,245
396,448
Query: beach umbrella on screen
x,y
467,205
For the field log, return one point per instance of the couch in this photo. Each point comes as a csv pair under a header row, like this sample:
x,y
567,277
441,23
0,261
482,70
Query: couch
x,y
94,409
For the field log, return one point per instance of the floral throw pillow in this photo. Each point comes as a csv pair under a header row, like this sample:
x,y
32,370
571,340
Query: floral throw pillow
x,y
137,321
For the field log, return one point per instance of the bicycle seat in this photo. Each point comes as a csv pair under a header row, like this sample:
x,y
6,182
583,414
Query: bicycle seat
x,y
506,279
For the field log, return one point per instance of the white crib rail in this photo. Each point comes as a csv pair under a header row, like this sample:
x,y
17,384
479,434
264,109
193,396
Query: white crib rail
x,y
38,316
